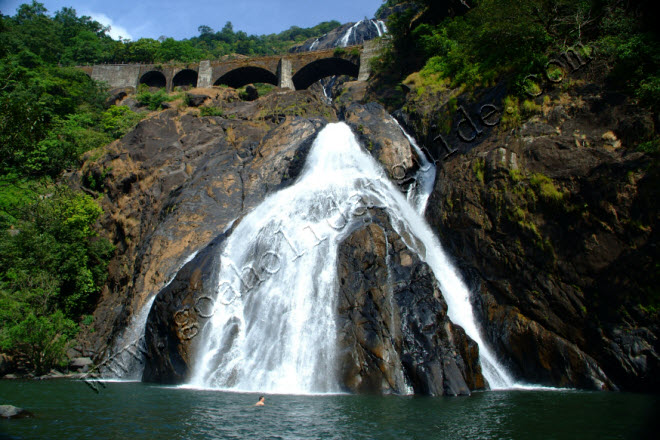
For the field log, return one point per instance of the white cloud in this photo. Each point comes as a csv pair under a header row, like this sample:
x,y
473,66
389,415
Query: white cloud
x,y
116,31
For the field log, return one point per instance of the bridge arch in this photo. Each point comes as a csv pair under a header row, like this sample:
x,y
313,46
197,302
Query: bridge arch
x,y
153,78
246,75
319,69
186,77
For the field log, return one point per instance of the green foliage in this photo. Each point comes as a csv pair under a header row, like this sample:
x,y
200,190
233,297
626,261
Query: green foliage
x,y
511,117
479,168
210,111
42,339
651,147
339,51
152,100
545,188
516,38
47,117
118,120
70,40
52,266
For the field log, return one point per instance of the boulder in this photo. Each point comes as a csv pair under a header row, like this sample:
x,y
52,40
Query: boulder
x,y
251,92
6,364
115,96
81,364
13,412
195,100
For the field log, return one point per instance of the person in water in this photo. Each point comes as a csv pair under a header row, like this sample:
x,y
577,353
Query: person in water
x,y
261,401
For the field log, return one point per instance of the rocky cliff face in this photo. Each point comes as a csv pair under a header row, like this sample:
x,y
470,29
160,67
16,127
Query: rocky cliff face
x,y
554,223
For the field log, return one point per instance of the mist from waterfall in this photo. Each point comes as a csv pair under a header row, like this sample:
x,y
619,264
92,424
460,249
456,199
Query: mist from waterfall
x,y
273,325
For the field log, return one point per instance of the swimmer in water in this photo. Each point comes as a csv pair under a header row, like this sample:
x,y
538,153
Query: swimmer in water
x,y
261,401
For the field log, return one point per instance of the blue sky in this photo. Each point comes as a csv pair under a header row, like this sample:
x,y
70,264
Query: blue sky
x,y
180,19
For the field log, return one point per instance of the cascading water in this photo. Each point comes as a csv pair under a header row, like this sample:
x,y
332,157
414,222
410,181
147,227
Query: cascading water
x,y
380,27
273,326
126,361
419,192
347,36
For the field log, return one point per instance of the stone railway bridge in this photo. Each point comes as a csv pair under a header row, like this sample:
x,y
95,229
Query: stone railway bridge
x,y
293,71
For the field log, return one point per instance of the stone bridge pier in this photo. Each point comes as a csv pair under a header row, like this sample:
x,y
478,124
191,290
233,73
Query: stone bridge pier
x,y
292,71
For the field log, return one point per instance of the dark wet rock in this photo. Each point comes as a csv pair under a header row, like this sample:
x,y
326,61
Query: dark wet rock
x,y
396,334
6,364
177,316
115,96
13,412
251,93
195,100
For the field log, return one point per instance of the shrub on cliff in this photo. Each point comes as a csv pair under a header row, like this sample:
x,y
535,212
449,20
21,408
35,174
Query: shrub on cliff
x,y
152,100
497,37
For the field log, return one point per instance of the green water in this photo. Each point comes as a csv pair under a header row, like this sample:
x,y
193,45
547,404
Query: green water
x,y
71,410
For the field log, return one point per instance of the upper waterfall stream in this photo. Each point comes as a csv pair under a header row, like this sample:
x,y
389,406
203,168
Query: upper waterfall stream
x,y
273,323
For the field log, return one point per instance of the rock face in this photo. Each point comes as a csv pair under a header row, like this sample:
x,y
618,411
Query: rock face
x,y
394,333
554,224
383,138
81,364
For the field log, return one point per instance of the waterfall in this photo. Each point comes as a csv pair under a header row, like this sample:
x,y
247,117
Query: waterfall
x,y
273,325
327,88
380,27
347,36
419,192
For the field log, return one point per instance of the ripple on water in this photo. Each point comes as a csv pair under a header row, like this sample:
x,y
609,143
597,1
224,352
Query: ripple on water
x,y
70,410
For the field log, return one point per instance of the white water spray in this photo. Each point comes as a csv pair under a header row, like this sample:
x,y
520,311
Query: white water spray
x,y
345,39
273,325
